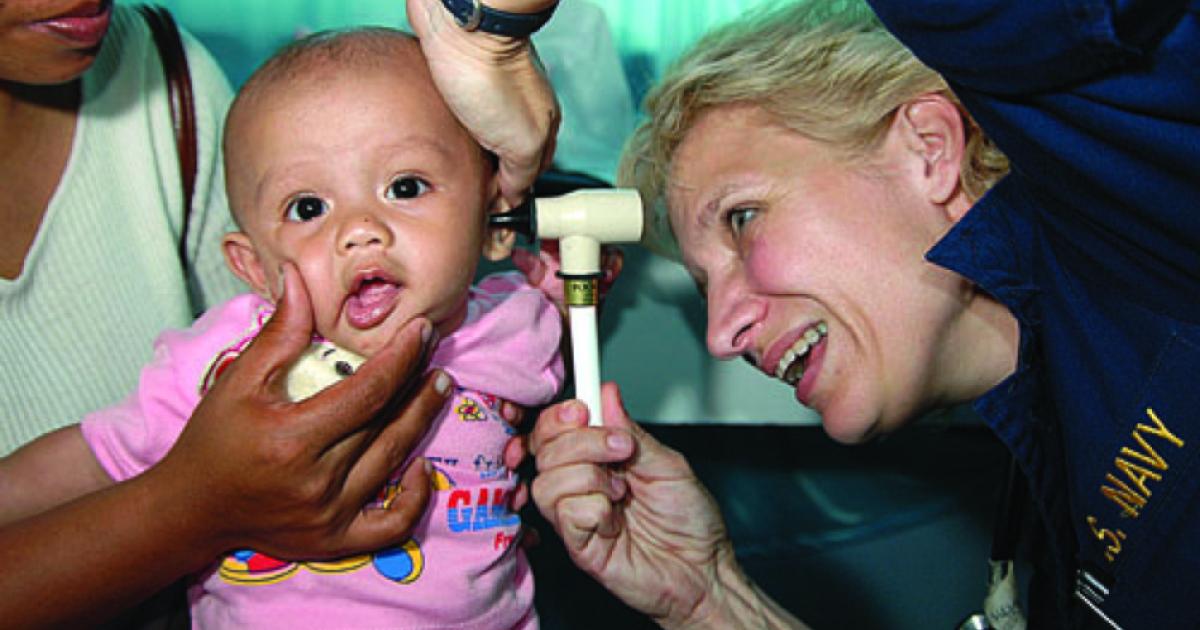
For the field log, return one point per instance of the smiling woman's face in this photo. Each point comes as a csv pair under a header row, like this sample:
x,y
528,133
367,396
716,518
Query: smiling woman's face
x,y
815,270
50,42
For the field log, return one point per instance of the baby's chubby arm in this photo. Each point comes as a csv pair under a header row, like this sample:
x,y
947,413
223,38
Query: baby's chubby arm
x,y
49,471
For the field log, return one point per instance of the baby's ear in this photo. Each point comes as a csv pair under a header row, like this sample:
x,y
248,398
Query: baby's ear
x,y
243,261
498,243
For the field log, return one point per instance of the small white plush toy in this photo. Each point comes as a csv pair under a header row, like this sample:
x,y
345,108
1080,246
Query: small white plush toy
x,y
320,366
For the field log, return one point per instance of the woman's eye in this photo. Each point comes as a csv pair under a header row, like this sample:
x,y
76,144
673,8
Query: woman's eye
x,y
306,209
737,219
407,188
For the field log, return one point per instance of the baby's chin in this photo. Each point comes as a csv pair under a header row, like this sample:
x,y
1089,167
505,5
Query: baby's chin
x,y
364,343
368,342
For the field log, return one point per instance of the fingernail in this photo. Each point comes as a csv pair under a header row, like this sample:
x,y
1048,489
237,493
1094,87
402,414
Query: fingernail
x,y
425,463
572,413
508,412
426,331
618,485
441,383
619,442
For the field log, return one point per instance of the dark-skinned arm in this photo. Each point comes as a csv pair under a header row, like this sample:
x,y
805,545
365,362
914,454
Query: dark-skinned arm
x,y
250,470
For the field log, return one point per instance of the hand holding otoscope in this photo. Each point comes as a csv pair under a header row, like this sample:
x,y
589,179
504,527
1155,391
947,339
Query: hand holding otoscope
x,y
580,221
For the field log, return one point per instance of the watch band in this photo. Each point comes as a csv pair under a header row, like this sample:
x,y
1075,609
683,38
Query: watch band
x,y
473,15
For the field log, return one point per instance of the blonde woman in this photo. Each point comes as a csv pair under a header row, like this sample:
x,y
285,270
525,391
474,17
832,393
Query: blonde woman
x,y
857,239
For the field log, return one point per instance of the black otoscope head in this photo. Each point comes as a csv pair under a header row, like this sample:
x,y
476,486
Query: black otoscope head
x,y
521,219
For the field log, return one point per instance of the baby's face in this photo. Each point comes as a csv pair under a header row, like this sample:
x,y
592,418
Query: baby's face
x,y
366,182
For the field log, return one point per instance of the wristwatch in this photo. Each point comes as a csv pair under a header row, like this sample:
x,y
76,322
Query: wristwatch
x,y
473,15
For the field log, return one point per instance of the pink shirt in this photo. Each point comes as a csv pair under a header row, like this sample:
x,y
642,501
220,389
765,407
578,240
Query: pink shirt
x,y
461,568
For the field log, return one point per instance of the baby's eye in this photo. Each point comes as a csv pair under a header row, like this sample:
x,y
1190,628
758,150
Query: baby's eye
x,y
306,208
407,187
737,219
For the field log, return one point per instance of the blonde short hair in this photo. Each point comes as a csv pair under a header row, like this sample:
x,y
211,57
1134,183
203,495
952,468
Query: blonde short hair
x,y
825,69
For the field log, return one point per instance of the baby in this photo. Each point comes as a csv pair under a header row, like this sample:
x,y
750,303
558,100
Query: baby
x,y
342,159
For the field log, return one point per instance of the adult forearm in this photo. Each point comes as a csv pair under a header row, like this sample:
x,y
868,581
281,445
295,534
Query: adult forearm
x,y
93,557
496,87
737,602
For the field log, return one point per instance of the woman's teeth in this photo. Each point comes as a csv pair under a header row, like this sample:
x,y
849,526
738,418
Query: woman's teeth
x,y
791,365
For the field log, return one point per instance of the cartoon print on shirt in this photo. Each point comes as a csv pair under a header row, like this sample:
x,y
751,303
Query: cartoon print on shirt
x,y
469,410
468,510
488,468
486,508
245,566
402,563
318,367
487,407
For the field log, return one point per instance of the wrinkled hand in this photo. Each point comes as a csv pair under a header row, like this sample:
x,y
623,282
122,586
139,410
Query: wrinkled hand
x,y
496,88
629,510
541,270
291,479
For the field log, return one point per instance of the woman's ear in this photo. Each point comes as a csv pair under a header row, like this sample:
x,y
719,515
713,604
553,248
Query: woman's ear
x,y
243,261
498,243
932,126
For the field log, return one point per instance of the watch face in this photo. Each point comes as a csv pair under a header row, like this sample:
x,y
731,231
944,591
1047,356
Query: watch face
x,y
468,13
474,15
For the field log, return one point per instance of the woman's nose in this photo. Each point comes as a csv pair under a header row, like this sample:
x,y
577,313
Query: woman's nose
x,y
732,314
364,229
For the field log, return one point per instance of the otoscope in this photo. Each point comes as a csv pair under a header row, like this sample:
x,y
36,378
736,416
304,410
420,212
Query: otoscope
x,y
581,221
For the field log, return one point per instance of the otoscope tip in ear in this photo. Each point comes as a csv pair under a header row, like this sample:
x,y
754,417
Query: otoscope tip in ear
x,y
521,219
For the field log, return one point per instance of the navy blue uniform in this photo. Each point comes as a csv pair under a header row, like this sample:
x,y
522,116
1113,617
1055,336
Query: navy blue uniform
x,y
1093,242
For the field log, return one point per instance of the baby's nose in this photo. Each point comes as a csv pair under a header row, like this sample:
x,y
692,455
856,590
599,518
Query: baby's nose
x,y
363,231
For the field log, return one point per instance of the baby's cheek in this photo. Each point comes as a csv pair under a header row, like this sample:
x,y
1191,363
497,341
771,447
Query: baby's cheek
x,y
326,316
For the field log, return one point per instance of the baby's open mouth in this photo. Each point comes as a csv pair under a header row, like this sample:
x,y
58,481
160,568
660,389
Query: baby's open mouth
x,y
372,299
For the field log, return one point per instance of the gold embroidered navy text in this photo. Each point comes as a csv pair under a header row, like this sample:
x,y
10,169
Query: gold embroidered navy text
x,y
1128,486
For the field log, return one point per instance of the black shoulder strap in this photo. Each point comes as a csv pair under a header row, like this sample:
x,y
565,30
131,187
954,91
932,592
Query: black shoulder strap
x,y
183,110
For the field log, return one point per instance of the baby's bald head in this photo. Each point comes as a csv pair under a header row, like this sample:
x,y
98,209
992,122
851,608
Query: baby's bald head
x,y
311,64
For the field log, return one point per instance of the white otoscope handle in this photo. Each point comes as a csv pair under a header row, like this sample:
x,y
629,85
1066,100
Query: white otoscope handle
x,y
586,359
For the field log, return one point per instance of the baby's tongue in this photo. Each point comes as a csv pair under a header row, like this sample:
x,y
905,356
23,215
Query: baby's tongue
x,y
372,304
